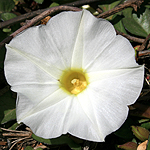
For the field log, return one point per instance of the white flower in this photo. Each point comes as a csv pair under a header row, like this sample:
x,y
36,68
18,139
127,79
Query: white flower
x,y
73,75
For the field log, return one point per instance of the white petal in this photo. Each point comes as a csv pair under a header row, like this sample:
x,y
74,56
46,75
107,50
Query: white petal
x,y
98,34
105,101
118,54
62,31
104,113
66,116
46,68
50,43
20,70
77,56
49,122
35,92
52,99
125,87
111,100
106,74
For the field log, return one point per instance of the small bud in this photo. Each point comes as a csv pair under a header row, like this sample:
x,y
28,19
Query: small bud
x,y
140,132
128,146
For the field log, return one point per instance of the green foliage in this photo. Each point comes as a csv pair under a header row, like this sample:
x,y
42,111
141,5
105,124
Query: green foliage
x,y
7,107
7,16
28,148
105,7
14,126
54,4
117,22
6,5
148,145
146,125
39,1
64,139
137,24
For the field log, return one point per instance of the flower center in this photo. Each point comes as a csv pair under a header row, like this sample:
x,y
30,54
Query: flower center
x,y
73,81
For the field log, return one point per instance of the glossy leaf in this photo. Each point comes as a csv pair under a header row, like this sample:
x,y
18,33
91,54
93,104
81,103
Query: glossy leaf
x,y
143,20
138,25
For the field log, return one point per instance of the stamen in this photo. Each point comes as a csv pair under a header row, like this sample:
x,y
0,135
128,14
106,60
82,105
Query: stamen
x,y
74,81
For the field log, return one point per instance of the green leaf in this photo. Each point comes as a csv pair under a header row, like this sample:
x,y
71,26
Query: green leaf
x,y
116,21
39,1
146,125
148,145
39,148
7,16
7,30
29,148
54,4
128,12
106,7
138,25
143,20
14,126
64,139
9,115
7,106
6,5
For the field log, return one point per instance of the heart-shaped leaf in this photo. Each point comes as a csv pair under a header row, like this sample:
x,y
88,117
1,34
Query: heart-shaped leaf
x,y
138,25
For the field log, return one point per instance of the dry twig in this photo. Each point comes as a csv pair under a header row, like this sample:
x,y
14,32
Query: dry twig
x,y
17,136
38,12
132,38
38,18
144,43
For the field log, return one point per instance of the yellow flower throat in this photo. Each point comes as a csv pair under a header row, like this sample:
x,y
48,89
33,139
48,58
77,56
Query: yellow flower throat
x,y
73,81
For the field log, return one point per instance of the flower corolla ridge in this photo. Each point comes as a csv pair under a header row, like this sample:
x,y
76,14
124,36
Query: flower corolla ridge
x,y
73,75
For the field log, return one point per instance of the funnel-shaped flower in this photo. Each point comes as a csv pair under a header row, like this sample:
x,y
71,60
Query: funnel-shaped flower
x,y
73,75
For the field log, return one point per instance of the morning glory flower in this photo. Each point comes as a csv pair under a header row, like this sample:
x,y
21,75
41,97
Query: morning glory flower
x,y
73,75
